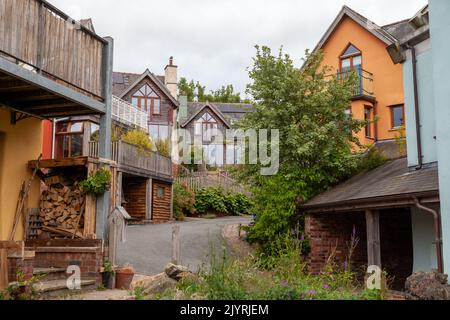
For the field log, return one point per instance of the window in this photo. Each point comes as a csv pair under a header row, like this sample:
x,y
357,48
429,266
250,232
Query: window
x,y
368,117
147,100
207,127
69,140
397,116
161,192
235,154
351,59
159,132
213,154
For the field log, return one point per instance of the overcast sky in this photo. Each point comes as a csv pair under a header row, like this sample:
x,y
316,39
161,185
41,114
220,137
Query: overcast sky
x,y
213,41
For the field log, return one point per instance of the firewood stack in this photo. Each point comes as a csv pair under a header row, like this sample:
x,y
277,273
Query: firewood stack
x,y
61,211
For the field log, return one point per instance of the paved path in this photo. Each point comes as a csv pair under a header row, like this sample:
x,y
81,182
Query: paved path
x,y
149,248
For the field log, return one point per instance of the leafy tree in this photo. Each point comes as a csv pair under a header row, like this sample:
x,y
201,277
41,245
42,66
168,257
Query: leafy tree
x,y
138,138
163,147
195,91
308,108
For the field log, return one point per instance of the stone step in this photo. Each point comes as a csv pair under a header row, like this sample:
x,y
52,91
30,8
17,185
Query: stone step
x,y
53,288
48,274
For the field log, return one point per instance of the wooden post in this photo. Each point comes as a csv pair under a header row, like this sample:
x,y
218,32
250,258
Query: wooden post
x,y
4,281
373,238
104,152
149,200
176,244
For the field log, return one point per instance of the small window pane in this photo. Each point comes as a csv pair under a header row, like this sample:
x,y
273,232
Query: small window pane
x,y
198,128
134,102
351,50
154,132
161,192
156,106
76,127
397,114
62,127
357,61
163,132
76,146
346,65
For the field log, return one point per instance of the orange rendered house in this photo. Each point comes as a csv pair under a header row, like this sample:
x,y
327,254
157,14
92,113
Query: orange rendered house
x,y
354,43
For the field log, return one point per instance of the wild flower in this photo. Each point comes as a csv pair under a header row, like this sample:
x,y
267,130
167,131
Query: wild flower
x,y
326,287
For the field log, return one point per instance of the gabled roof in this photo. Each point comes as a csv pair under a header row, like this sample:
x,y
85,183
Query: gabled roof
x,y
123,83
392,180
200,109
370,26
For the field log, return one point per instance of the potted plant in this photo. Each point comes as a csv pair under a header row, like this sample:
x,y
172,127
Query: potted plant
x,y
124,277
107,274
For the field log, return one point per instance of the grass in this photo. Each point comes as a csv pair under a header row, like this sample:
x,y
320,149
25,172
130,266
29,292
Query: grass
x,y
230,278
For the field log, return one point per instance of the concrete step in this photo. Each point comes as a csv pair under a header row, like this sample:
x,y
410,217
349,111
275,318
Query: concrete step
x,y
47,274
55,288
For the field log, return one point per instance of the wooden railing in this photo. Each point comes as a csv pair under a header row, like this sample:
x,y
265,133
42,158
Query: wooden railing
x,y
130,156
196,181
35,33
129,115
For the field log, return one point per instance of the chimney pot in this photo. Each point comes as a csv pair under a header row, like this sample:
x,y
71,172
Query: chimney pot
x,y
171,61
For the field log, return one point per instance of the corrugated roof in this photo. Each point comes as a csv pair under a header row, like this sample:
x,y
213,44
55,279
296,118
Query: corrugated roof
x,y
392,179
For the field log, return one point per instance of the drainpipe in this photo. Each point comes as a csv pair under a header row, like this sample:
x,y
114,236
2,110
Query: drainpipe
x,y
437,231
416,108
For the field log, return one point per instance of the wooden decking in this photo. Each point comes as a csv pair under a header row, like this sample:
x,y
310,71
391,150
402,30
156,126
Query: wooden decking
x,y
50,66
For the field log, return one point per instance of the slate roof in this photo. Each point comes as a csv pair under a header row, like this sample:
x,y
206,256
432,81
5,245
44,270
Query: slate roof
x,y
400,29
229,111
392,179
122,81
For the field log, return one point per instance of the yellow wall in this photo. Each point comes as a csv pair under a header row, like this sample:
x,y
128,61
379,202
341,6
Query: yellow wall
x,y
18,144
388,78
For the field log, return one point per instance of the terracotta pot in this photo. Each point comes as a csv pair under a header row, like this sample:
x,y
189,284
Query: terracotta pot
x,y
124,279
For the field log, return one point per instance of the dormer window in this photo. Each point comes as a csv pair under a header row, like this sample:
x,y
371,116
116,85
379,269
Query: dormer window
x,y
147,100
351,59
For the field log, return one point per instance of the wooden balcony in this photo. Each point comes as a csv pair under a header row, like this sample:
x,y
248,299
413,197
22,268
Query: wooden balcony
x,y
50,66
135,161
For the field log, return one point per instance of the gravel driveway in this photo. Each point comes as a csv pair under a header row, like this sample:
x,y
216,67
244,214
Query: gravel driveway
x,y
149,248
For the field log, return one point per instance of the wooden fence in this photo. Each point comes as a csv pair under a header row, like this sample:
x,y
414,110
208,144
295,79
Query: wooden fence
x,y
128,155
37,34
199,180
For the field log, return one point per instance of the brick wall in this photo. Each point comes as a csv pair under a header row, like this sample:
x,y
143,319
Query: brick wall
x,y
24,265
161,205
330,231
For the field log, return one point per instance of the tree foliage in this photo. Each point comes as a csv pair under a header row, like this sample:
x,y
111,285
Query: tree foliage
x,y
197,92
309,109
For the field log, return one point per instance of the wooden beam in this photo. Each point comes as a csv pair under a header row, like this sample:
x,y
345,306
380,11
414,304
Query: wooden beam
x,y
373,238
11,244
53,163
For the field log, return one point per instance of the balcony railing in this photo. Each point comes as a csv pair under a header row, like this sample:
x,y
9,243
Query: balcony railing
x,y
129,115
135,160
38,36
364,81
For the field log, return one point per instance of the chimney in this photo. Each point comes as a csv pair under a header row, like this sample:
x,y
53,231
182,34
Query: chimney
x,y
171,78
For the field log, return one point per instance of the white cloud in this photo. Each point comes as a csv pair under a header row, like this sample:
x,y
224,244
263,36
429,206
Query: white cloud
x,y
213,40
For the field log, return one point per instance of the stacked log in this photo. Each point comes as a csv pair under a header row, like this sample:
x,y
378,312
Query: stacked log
x,y
61,210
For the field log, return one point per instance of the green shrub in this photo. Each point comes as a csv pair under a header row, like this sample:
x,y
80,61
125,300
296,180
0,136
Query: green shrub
x,y
138,138
98,183
183,201
163,147
217,200
211,200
